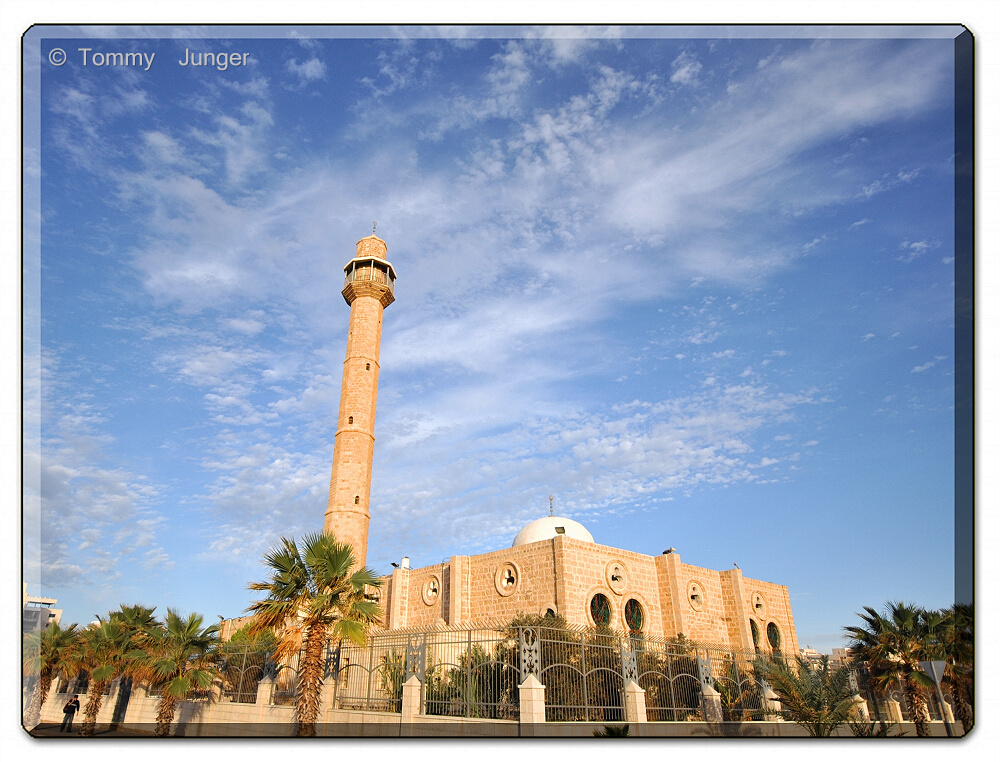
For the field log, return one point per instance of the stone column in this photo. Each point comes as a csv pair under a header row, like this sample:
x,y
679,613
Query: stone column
x,y
859,712
711,704
264,688
532,694
411,708
949,716
772,705
895,713
635,703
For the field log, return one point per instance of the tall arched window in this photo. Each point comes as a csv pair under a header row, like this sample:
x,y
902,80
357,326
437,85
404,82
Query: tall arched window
x,y
600,609
634,618
755,632
773,636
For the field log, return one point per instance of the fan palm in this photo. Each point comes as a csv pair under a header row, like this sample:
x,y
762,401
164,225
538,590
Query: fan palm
x,y
51,653
954,636
137,627
101,657
181,661
313,597
892,647
817,698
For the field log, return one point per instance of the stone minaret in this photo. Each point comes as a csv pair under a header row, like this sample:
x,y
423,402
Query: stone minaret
x,y
368,288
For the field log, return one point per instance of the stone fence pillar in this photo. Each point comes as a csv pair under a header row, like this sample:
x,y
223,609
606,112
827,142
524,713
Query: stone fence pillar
x,y
711,704
859,712
411,708
264,689
772,705
949,715
532,694
635,702
895,713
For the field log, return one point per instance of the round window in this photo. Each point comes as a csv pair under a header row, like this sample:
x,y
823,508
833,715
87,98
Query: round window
x,y
696,595
773,636
600,609
430,591
507,579
617,576
634,617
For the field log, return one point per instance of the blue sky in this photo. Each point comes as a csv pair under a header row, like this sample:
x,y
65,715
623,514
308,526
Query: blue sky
x,y
698,289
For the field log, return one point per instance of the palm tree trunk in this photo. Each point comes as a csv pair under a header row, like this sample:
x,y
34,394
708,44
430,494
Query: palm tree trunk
x,y
95,697
918,709
310,685
33,711
165,714
963,709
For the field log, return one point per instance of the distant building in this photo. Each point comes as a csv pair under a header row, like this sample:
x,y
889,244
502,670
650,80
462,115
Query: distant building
x,y
36,612
840,657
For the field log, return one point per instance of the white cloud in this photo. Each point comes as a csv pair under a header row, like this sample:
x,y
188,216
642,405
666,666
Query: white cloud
x,y
686,68
307,71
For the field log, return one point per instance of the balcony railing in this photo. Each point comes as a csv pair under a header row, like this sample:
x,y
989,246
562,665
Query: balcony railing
x,y
366,272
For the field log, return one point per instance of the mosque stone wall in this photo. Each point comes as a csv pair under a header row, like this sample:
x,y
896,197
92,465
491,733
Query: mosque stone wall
x,y
564,574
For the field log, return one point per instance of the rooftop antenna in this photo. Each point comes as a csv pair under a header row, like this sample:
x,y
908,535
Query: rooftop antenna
x,y
374,225
550,505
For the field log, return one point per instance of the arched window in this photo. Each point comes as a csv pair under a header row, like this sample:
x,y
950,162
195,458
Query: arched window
x,y
600,609
755,633
634,617
773,636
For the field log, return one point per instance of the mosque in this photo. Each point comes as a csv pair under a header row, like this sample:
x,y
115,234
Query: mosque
x,y
554,564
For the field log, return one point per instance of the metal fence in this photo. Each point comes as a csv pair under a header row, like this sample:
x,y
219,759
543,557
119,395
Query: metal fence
x,y
476,673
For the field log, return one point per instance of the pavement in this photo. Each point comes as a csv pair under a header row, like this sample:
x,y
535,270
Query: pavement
x,y
51,730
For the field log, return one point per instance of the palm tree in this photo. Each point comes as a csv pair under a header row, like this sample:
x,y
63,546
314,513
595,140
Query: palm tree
x,y
137,628
892,647
954,639
100,657
181,660
53,652
818,699
313,597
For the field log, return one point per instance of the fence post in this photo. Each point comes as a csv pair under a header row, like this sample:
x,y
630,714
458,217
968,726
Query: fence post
x,y
895,713
711,704
860,710
264,688
635,703
532,698
411,708
772,704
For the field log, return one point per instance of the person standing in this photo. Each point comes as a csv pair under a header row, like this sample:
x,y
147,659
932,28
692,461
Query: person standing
x,y
69,711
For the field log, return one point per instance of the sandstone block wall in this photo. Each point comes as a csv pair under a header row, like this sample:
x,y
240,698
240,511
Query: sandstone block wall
x,y
564,574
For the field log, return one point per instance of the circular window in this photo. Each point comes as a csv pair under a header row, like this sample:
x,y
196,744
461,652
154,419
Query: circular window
x,y
696,595
634,618
507,579
759,605
755,634
600,609
773,636
431,591
617,576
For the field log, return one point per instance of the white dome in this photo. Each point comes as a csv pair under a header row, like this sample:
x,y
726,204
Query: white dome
x,y
552,526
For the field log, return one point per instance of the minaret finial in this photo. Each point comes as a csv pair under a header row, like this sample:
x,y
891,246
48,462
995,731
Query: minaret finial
x,y
550,505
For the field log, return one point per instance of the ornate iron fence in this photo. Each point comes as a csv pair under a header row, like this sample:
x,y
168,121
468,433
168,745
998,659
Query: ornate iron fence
x,y
242,667
477,673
